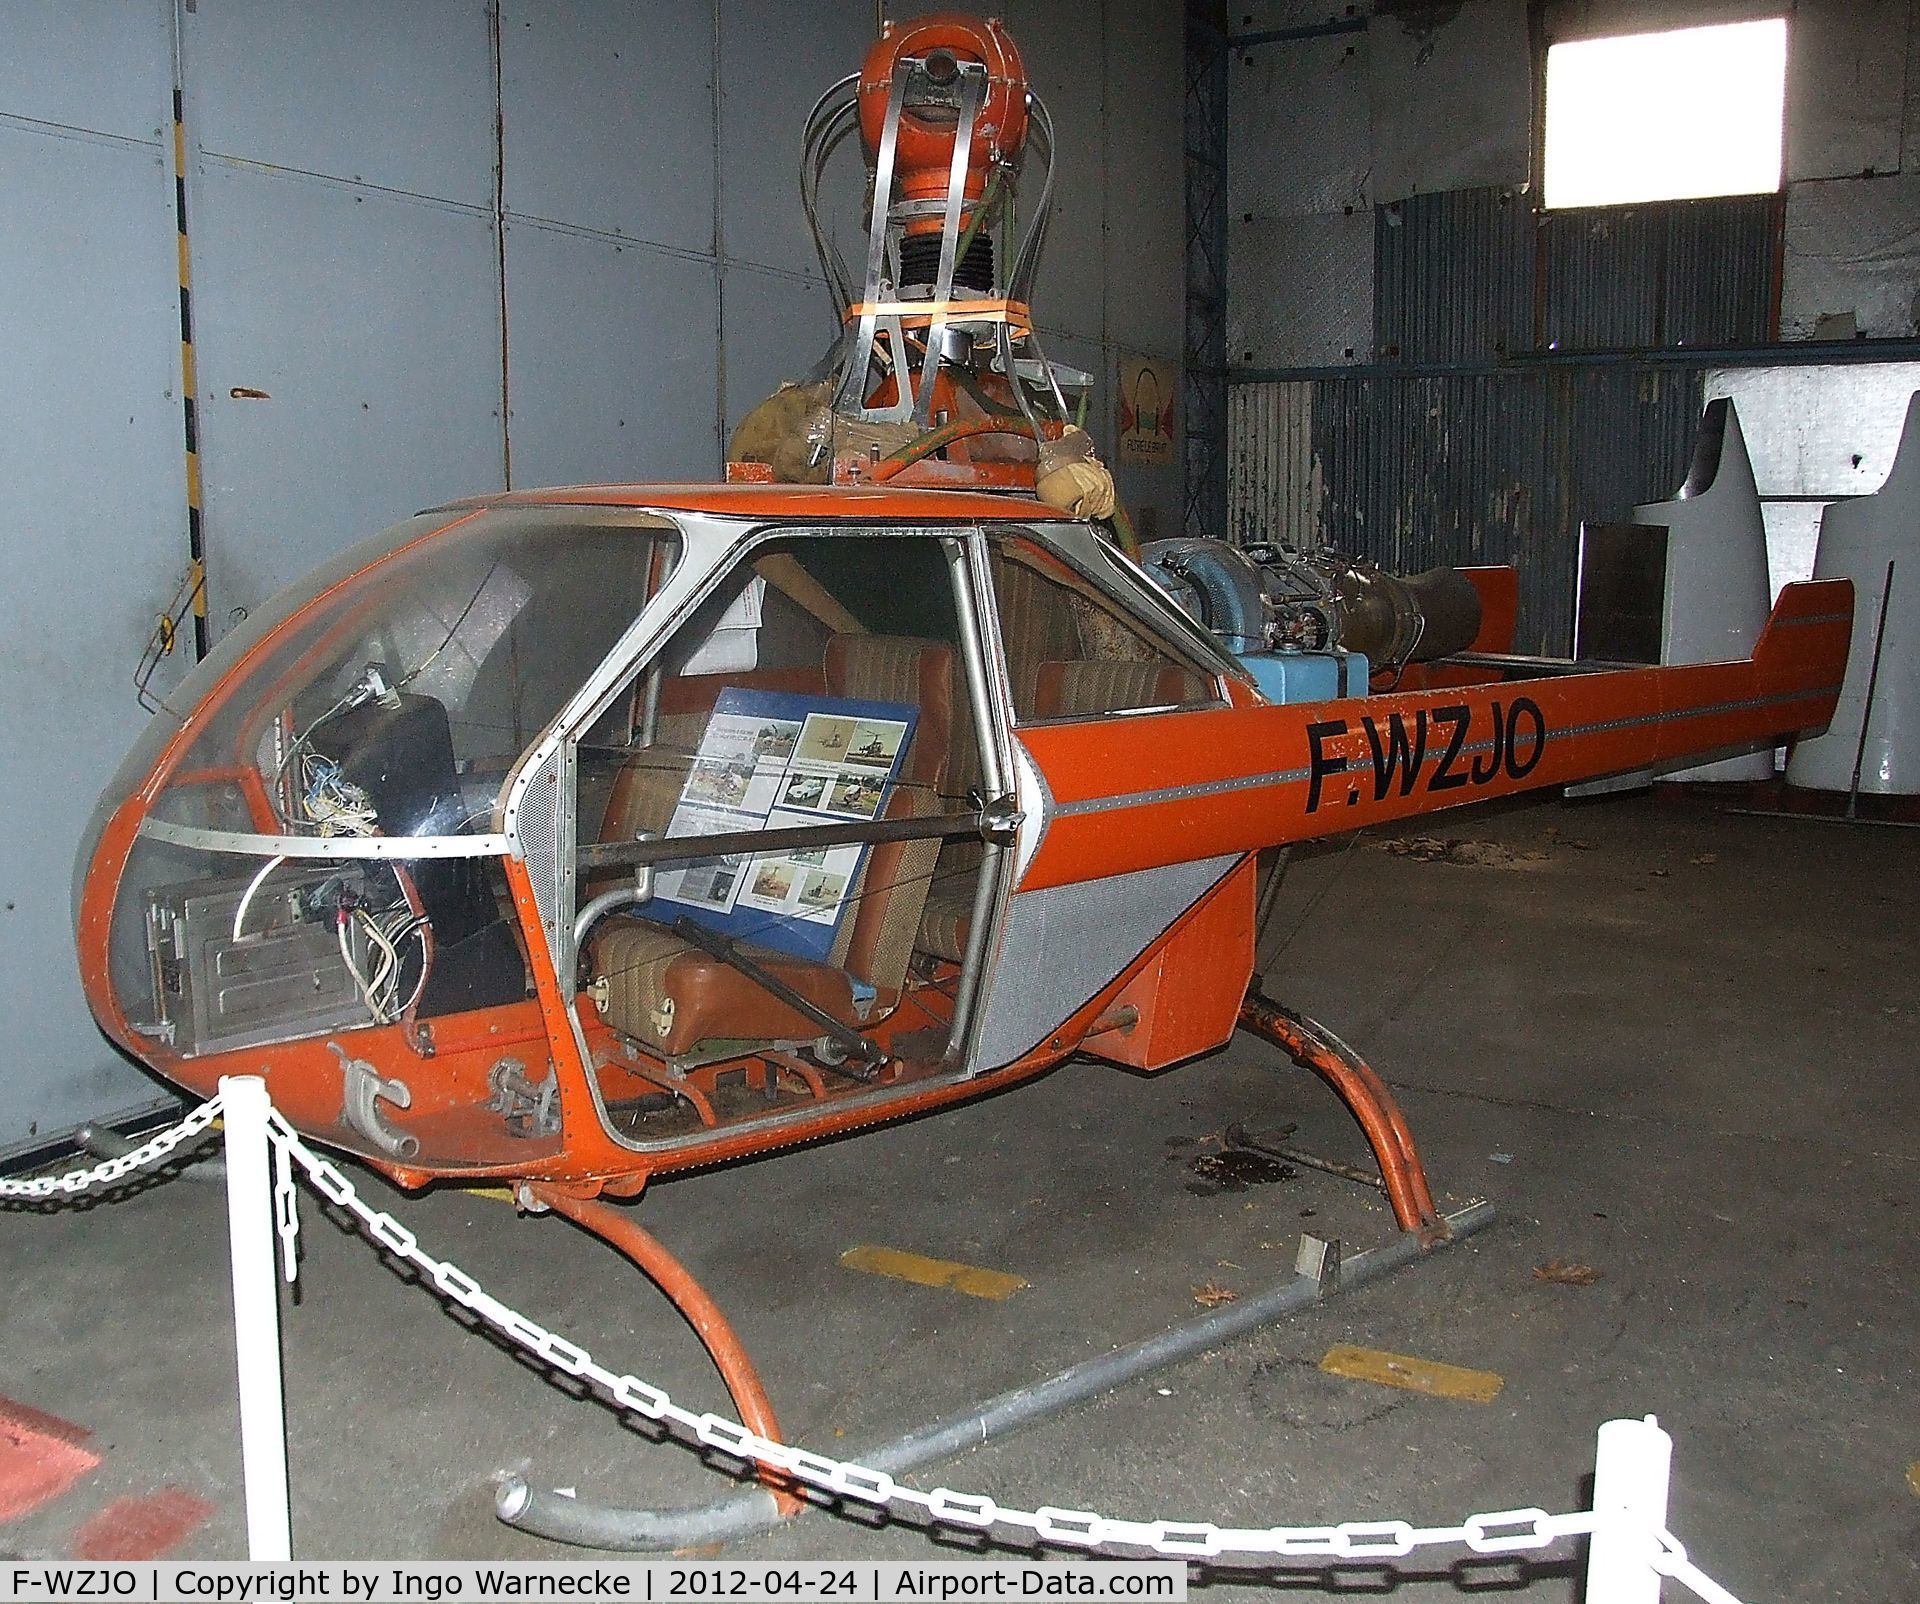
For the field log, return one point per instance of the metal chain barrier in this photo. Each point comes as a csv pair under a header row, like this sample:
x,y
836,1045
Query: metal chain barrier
x,y
1499,1532
74,1182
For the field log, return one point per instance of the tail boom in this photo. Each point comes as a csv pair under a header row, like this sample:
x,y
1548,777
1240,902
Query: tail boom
x,y
1139,793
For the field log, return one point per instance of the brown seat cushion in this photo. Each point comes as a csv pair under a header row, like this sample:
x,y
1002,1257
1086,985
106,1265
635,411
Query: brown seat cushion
x,y
670,996
944,923
900,668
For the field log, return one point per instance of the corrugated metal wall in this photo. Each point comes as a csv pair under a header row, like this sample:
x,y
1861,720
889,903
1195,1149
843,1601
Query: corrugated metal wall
x,y
1453,276
1479,433
1680,273
1496,404
1495,468
1491,467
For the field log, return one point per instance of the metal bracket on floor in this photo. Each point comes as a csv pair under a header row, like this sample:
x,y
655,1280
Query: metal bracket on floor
x,y
1321,1272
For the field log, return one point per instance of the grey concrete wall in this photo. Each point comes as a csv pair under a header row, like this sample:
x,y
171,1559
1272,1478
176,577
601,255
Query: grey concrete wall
x,y
435,247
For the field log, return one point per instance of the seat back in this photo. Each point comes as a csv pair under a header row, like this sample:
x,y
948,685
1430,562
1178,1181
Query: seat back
x,y
901,668
1107,685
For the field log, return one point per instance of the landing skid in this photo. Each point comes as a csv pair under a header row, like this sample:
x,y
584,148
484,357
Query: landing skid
x,y
1318,1275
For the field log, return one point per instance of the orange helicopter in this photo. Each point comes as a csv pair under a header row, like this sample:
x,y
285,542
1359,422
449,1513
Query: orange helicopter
x,y
574,837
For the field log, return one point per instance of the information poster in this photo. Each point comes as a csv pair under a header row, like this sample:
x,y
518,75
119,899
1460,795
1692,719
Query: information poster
x,y
773,760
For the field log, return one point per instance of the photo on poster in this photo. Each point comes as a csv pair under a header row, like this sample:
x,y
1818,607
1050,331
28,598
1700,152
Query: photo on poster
x,y
731,737
708,882
774,740
773,760
825,738
820,894
806,791
856,793
702,882
718,783
874,743
772,883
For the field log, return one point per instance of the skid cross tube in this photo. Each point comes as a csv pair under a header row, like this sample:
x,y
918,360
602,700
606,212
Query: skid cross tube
x,y
575,1520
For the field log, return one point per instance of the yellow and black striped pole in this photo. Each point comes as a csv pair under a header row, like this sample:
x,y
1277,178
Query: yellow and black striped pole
x,y
189,387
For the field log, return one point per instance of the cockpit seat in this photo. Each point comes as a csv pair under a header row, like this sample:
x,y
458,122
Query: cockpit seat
x,y
1083,688
671,996
901,668
1106,685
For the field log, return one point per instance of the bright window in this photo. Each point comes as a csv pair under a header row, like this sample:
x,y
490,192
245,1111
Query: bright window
x,y
1666,116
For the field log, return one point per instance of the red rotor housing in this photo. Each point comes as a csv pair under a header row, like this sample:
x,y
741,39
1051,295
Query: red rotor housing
x,y
923,146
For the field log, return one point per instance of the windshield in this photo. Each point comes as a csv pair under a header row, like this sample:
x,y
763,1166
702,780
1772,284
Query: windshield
x,y
387,696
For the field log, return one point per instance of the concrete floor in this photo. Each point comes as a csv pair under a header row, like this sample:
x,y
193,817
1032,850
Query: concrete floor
x,y
1693,1034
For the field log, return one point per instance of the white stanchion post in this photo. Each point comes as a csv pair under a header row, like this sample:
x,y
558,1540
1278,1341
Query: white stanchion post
x,y
1632,1465
256,1316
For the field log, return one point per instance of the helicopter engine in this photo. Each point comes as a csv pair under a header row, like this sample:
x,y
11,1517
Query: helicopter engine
x,y
1309,624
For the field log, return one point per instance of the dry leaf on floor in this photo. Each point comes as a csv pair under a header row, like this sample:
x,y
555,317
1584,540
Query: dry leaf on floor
x,y
1704,858
1565,1273
1210,1294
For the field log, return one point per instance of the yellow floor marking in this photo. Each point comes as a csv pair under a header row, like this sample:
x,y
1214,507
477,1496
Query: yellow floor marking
x,y
500,1194
1415,1375
922,1271
1913,1477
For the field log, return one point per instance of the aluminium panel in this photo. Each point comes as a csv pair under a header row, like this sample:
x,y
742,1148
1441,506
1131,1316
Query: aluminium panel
x,y
1299,118
776,61
104,66
1452,98
1592,19
1145,176
1300,291
1258,16
369,323
396,96
95,545
608,117
1825,430
774,328
611,360
1063,47
1089,932
1910,107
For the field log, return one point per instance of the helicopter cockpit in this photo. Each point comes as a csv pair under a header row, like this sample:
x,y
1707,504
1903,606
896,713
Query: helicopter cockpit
x,y
418,841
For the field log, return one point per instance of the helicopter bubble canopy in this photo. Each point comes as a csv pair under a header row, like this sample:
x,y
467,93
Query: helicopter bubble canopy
x,y
332,774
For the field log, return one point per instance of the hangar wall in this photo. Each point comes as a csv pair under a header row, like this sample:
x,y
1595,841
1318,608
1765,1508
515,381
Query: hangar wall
x,y
434,249
1420,367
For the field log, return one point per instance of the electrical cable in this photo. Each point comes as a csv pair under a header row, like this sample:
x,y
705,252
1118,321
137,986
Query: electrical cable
x,y
253,885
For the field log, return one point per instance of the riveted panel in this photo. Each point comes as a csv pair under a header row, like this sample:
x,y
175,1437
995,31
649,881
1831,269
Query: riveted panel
x,y
394,96
349,354
97,544
611,359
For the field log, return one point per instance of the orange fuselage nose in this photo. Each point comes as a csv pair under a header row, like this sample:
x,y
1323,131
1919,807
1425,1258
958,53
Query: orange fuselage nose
x,y
929,116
